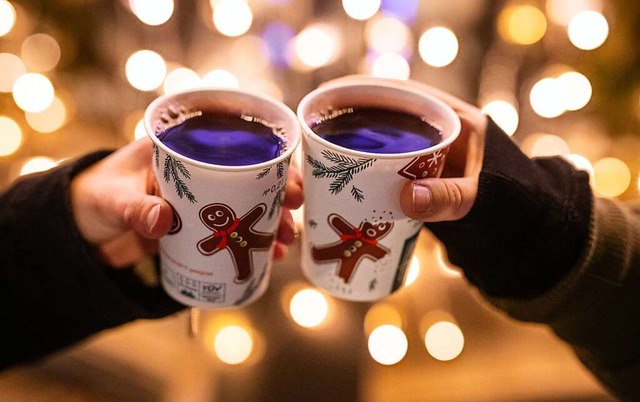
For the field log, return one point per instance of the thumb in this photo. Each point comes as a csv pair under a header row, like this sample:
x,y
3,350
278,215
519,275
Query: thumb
x,y
148,215
433,200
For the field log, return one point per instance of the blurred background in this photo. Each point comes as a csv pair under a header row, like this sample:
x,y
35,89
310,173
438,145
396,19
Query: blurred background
x,y
561,77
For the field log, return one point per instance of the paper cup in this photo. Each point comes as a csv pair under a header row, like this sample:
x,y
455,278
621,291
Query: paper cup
x,y
356,242
219,251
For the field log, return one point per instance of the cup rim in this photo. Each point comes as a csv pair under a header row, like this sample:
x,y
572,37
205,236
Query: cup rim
x,y
373,82
293,137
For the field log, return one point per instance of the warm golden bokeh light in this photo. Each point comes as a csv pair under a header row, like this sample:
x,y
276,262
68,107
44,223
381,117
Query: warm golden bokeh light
x,y
309,308
12,67
40,52
152,12
504,114
588,30
50,119
444,341
387,35
548,145
220,78
391,65
233,344
438,46
578,89
388,344
232,17
361,9
180,79
548,98
316,45
145,70
612,177
10,136
561,11
522,24
33,92
37,164
7,17
382,313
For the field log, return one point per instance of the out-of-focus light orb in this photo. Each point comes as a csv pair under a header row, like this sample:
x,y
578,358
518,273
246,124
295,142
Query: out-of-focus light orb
x,y
309,308
549,145
33,92
504,114
219,78
578,89
152,12
580,163
145,70
561,11
37,164
438,46
611,177
12,67
316,45
391,65
522,24
361,9
382,313
387,35
388,344
444,341
139,131
588,30
548,98
10,136
233,344
7,17
232,17
50,119
40,52
180,79
414,271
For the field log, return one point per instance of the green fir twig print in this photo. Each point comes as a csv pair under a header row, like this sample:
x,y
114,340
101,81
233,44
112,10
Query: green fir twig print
x,y
156,155
263,173
173,169
342,171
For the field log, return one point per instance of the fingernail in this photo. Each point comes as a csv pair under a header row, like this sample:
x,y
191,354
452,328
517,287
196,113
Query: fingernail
x,y
421,198
152,217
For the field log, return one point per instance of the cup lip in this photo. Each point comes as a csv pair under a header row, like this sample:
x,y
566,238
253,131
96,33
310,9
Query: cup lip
x,y
375,82
294,136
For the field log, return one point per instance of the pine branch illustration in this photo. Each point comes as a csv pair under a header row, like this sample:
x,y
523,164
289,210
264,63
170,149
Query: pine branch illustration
x,y
341,182
357,194
183,169
172,170
166,172
275,203
156,155
263,173
280,171
338,159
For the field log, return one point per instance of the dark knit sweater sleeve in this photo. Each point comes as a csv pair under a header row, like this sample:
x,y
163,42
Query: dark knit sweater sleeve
x,y
528,225
53,290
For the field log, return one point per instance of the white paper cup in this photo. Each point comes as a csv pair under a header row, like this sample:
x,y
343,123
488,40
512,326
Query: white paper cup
x,y
223,263
356,242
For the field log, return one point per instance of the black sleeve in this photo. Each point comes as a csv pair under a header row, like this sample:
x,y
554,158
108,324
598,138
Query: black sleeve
x,y
528,225
53,291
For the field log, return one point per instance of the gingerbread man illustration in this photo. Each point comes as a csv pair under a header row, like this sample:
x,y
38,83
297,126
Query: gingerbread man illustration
x,y
235,235
354,245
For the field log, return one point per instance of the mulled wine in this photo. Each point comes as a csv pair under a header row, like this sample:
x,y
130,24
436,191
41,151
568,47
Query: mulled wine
x,y
377,130
225,139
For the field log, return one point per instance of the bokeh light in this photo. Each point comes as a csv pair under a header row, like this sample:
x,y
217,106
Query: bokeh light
x,y
50,119
382,313
233,344
391,65
387,344
316,46
12,67
561,11
578,89
444,341
180,79
152,12
40,52
361,9
611,177
7,17
548,98
232,17
10,136
581,163
522,24
387,35
37,164
309,308
504,114
33,92
145,70
438,46
588,30
220,78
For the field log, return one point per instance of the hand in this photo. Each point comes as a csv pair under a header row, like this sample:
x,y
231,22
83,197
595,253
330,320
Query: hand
x,y
115,209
